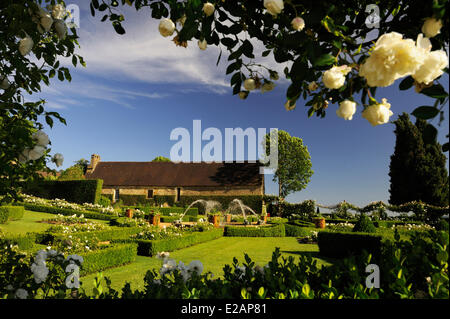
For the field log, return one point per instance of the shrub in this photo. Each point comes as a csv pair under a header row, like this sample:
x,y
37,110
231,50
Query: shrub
x,y
262,231
11,213
304,210
364,225
80,192
104,201
296,231
171,219
339,245
131,200
67,211
152,247
394,223
302,223
115,233
25,242
101,259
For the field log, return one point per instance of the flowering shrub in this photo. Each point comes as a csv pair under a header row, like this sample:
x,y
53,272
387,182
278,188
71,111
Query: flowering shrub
x,y
340,227
155,233
86,226
77,244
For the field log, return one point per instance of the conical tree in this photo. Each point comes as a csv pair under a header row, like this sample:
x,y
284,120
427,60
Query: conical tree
x,y
417,171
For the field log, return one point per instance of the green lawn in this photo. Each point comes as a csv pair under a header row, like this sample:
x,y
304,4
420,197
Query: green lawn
x,y
31,223
214,255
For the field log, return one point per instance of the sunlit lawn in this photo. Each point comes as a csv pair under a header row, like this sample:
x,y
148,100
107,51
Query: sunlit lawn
x,y
214,255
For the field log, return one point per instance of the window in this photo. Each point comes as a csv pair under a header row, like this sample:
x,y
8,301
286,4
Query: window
x,y
116,194
178,194
150,193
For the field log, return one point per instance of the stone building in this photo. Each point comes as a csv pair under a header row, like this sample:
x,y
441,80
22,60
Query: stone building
x,y
148,180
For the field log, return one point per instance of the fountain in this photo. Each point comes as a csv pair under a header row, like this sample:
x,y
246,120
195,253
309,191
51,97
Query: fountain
x,y
238,203
208,204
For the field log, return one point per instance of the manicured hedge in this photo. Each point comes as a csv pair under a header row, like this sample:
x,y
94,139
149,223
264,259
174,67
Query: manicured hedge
x,y
392,223
67,211
343,244
80,191
102,235
263,231
101,259
152,247
171,219
296,231
25,242
131,200
10,213
302,223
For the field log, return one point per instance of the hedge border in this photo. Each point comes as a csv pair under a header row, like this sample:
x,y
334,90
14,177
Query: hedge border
x,y
67,211
11,213
344,244
276,230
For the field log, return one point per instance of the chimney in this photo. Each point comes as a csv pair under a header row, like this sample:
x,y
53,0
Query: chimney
x,y
95,159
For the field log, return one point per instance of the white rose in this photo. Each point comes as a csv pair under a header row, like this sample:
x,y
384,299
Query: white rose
x,y
392,58
267,86
334,78
36,153
274,7
208,8
346,109
61,29
58,159
431,27
202,44
313,86
378,114
25,45
46,22
249,84
58,11
289,107
4,83
40,138
298,23
166,27
434,62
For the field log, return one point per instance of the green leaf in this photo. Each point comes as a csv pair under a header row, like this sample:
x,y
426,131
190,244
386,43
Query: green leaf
x,y
52,73
118,27
324,60
435,91
425,112
310,112
49,121
445,147
407,83
266,53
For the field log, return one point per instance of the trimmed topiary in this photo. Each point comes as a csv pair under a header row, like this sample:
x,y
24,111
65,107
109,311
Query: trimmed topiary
x,y
364,225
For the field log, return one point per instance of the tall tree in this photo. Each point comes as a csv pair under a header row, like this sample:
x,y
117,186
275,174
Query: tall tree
x,y
417,170
294,163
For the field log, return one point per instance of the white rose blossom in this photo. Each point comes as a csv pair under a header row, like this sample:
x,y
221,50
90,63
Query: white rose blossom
x,y
346,109
334,78
267,87
433,62
4,83
46,21
58,159
392,58
208,8
249,84
274,7
166,27
298,23
58,11
25,45
35,153
196,266
378,114
431,27
40,138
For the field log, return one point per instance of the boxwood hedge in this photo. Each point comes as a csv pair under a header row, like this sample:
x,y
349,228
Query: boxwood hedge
x,y
152,247
296,231
277,230
344,244
67,211
11,213
114,233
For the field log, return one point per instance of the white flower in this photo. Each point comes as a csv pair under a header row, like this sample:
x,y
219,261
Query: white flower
x,y
249,84
34,154
346,109
166,27
431,27
61,29
46,21
334,78
25,45
433,62
313,86
378,114
58,159
202,44
4,83
243,95
196,266
21,293
298,23
40,138
289,107
274,7
208,8
267,87
392,58
58,11
163,255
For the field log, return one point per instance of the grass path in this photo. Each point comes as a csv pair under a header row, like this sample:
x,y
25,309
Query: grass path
x,y
30,223
214,255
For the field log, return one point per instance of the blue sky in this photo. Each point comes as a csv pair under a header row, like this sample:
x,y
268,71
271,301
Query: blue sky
x,y
138,87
